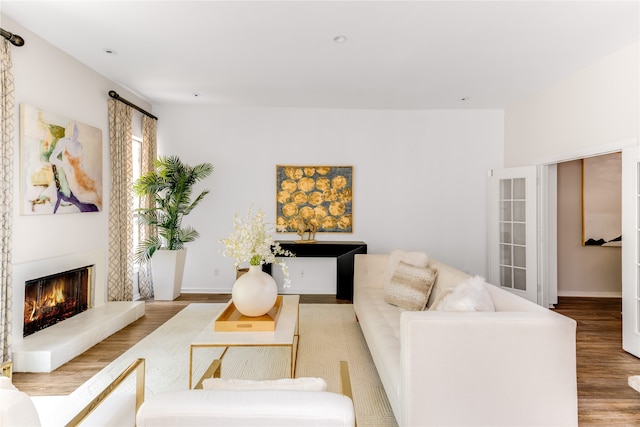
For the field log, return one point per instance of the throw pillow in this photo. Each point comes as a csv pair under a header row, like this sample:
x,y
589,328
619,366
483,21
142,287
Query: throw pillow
x,y
410,286
469,295
417,259
300,384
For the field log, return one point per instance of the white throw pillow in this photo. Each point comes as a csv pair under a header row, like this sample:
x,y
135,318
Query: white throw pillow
x,y
417,259
469,295
410,286
303,384
16,407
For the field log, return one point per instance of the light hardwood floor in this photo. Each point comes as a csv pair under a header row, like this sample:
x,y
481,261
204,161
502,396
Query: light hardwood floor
x,y
604,398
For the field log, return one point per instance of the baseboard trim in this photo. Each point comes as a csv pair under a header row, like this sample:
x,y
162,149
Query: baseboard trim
x,y
593,294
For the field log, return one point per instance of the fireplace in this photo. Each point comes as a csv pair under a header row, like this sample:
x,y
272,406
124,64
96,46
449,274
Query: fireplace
x,y
54,298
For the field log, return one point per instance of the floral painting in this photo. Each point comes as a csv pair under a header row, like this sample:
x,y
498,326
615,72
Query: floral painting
x,y
61,164
314,198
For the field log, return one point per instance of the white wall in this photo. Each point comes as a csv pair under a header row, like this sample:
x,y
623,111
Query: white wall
x,y
587,112
50,79
593,107
419,176
594,271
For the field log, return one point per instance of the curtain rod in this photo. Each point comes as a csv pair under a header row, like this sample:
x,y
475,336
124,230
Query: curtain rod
x,y
113,94
15,39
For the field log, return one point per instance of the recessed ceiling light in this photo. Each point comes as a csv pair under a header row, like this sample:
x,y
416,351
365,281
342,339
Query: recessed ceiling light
x,y
466,98
196,94
109,51
340,39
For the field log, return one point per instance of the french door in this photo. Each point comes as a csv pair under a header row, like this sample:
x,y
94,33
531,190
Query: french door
x,y
513,263
513,237
630,251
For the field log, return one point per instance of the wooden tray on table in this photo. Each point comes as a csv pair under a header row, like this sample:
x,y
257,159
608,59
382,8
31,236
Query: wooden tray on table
x,y
231,320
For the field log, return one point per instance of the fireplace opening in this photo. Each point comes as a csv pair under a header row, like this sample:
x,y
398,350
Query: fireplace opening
x,y
52,299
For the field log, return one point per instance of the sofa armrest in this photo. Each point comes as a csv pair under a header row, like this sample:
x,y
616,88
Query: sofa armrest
x,y
117,410
137,368
489,368
369,270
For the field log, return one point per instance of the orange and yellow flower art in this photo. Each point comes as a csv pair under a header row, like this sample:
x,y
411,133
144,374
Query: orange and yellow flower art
x,y
318,196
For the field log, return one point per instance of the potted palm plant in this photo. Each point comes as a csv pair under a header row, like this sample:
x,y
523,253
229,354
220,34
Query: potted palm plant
x,y
169,187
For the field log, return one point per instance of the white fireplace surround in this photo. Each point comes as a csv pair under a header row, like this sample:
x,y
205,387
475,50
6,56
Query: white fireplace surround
x,y
48,349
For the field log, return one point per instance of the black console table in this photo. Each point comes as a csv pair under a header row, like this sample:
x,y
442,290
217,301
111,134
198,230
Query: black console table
x,y
343,251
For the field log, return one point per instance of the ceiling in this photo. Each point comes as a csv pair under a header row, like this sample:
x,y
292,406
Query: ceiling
x,y
397,54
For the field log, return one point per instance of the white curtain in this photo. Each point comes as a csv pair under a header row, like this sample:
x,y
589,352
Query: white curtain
x,y
120,280
7,108
149,153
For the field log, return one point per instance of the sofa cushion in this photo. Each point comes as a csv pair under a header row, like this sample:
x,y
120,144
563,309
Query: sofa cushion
x,y
469,295
380,324
410,286
300,384
16,407
417,259
264,408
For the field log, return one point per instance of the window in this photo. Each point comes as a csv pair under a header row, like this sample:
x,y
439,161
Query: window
x,y
136,155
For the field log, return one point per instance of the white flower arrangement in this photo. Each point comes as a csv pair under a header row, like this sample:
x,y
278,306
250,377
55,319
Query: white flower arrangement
x,y
252,242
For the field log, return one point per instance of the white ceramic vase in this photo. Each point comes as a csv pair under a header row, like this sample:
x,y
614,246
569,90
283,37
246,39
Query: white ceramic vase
x,y
255,292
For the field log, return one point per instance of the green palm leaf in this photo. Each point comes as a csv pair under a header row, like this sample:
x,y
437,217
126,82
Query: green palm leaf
x,y
170,186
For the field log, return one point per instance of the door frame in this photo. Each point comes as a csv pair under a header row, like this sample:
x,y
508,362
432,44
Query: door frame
x,y
548,235
548,212
631,228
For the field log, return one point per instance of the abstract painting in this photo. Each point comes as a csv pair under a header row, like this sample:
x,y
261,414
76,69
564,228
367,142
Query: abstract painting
x,y
315,198
60,164
602,200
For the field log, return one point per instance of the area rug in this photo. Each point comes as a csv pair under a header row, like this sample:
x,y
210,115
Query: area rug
x,y
329,333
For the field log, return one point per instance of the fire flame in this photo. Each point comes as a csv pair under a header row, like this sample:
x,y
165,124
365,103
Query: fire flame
x,y
54,296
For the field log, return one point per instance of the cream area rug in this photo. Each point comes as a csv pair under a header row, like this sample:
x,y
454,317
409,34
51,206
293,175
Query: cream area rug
x,y
329,333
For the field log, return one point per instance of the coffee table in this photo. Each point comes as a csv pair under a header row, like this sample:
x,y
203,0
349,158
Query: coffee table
x,y
285,335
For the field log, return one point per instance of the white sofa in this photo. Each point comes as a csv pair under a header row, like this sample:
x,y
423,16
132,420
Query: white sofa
x,y
512,367
17,409
297,402
109,408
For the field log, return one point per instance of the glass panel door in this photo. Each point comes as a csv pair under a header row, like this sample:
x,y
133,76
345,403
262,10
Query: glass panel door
x,y
513,251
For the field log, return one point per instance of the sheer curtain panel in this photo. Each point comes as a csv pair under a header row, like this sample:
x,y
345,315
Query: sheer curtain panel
x,y
149,153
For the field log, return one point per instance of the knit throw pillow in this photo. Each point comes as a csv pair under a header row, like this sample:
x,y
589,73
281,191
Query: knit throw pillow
x,y
417,259
410,286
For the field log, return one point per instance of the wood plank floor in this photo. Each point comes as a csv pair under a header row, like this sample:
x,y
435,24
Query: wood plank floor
x,y
604,398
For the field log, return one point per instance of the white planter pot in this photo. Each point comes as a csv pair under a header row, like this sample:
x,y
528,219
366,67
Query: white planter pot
x,y
255,292
167,268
